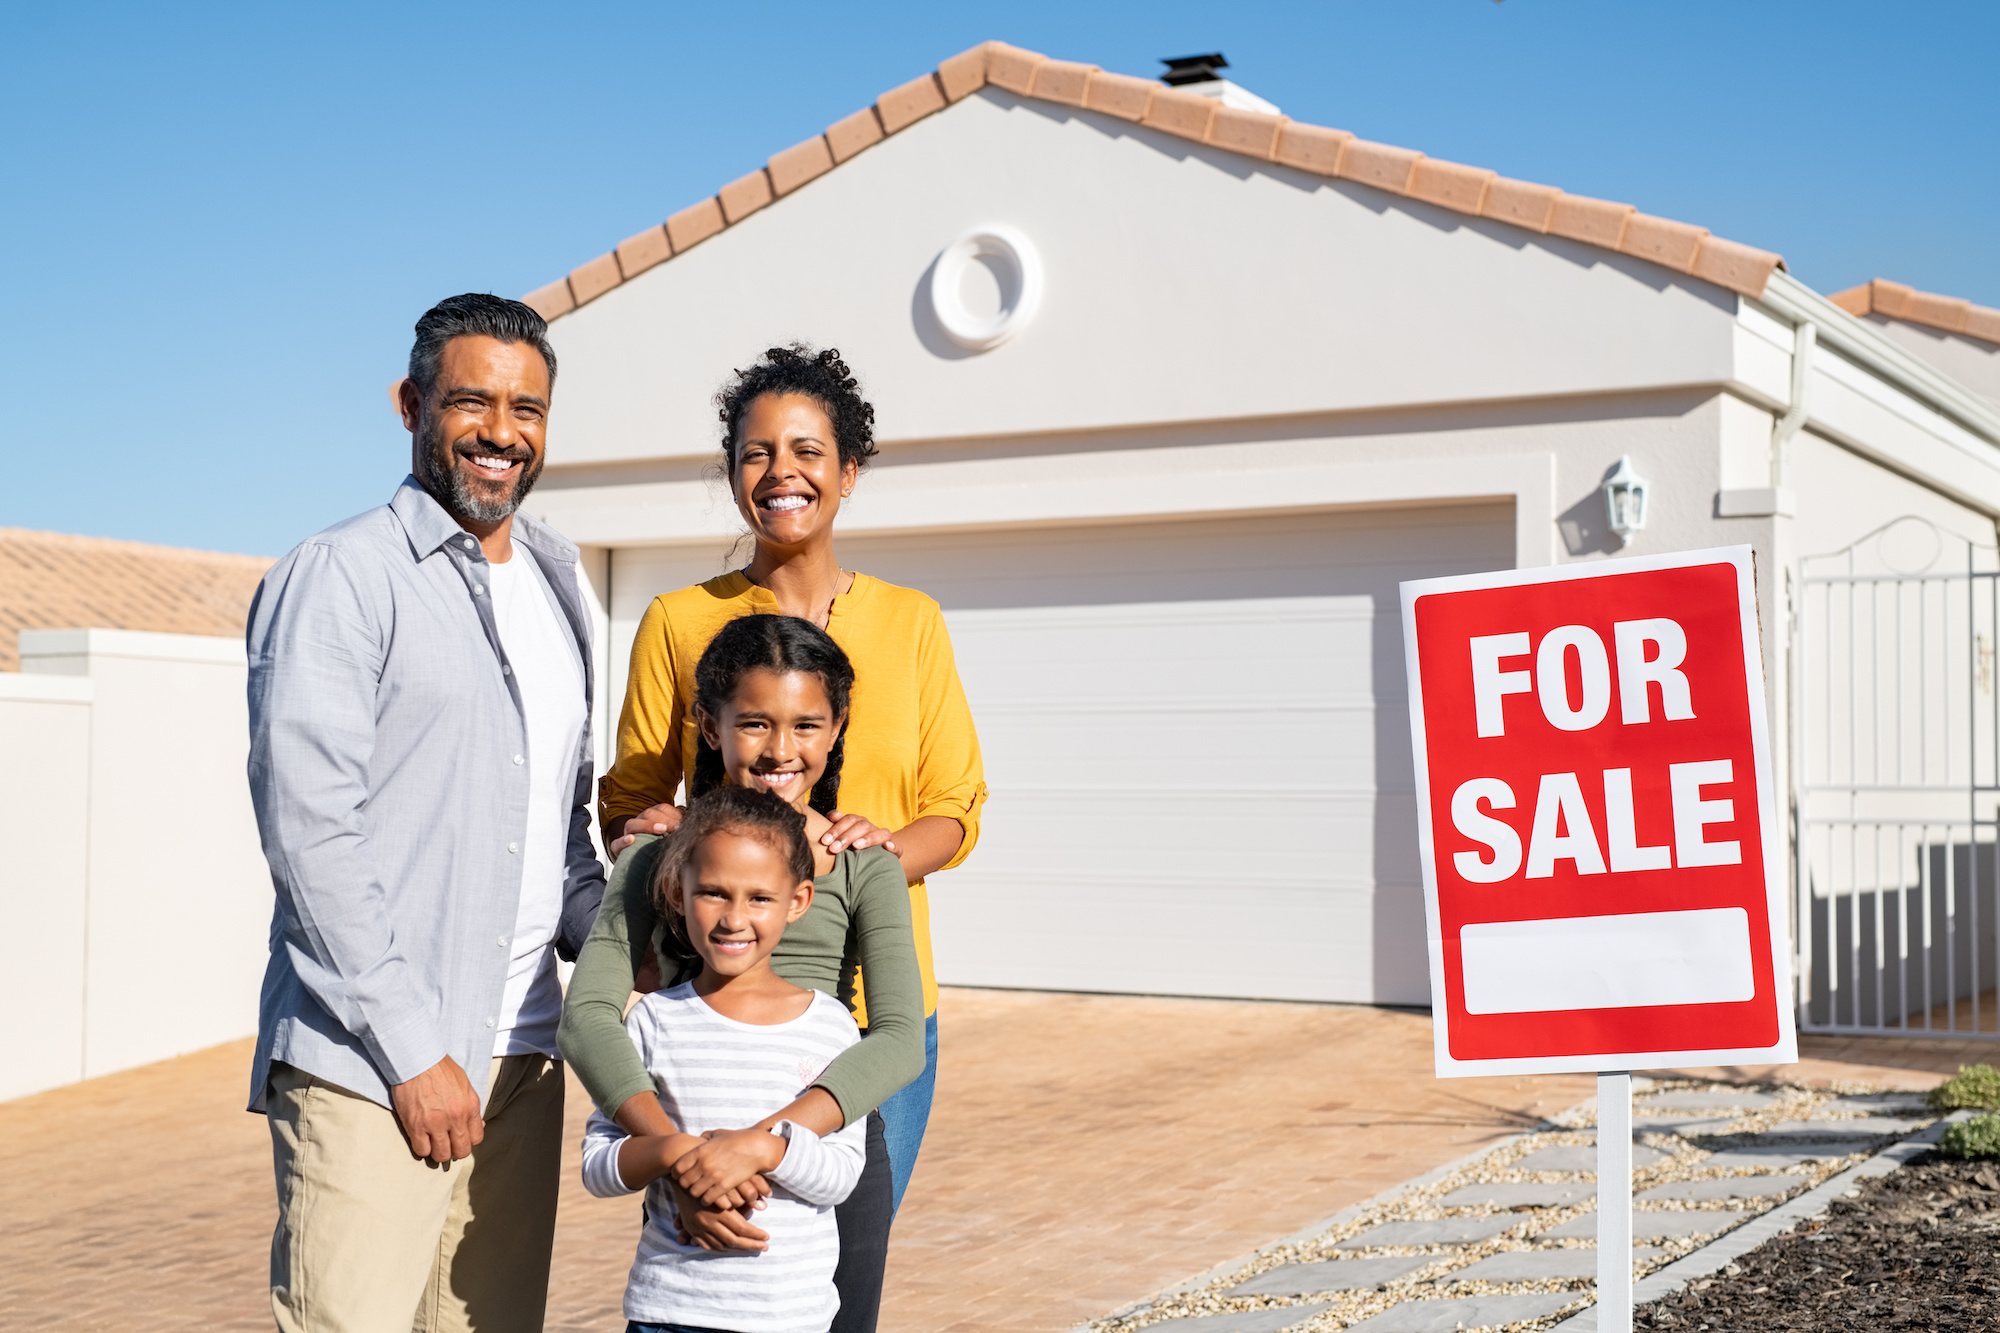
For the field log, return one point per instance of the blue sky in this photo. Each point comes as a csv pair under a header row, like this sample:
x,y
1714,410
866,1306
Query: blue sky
x,y
218,222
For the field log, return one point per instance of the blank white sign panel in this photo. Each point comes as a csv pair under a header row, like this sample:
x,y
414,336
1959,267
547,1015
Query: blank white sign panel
x,y
1607,962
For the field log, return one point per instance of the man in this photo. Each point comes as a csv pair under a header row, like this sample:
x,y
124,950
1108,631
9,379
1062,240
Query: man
x,y
420,764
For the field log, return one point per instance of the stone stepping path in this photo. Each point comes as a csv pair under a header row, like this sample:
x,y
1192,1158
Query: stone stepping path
x,y
1649,1225
1332,1275
1450,1316
1402,1263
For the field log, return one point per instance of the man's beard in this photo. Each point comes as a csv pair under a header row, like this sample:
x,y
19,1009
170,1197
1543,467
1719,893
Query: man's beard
x,y
448,485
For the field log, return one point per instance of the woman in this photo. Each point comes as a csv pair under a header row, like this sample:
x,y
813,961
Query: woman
x,y
796,435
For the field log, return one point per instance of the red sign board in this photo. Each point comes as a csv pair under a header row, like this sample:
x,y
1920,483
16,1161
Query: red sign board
x,y
1601,867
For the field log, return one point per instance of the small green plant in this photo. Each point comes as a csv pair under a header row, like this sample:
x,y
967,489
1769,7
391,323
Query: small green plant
x,y
1974,1087
1977,1137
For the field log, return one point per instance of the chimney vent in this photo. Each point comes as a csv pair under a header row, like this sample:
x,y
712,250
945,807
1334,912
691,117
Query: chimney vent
x,y
1193,69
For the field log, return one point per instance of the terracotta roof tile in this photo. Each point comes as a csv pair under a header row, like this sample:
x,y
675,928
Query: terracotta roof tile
x,y
1064,81
552,301
745,195
848,136
1120,95
799,164
1896,300
1596,221
1011,68
1251,132
1379,164
1731,264
49,580
905,106
638,253
1314,148
965,73
1522,203
1185,114
695,224
589,281
1450,184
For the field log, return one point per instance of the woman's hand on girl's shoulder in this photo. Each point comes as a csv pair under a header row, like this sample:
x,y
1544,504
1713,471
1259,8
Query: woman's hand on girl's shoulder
x,y
657,819
855,832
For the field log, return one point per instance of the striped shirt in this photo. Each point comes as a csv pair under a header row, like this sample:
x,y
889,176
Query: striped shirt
x,y
714,1072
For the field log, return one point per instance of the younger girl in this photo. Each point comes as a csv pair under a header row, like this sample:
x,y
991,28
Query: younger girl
x,y
736,1043
771,699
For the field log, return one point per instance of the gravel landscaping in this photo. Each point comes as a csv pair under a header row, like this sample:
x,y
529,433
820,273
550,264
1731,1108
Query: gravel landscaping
x,y
1915,1249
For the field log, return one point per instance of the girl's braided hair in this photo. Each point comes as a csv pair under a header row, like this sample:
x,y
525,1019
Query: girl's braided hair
x,y
819,375
770,643
738,810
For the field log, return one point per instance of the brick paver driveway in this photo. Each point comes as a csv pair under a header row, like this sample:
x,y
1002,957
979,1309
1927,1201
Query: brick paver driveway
x,y
1086,1151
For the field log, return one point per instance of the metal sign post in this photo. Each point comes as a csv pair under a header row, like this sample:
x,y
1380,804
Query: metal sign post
x,y
1614,1203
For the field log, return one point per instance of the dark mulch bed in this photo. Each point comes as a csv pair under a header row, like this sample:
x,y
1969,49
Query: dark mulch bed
x,y
1918,1249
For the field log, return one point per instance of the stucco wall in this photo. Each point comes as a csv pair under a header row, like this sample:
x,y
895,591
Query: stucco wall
x,y
134,900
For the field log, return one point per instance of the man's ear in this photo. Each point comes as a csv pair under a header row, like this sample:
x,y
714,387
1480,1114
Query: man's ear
x,y
403,396
802,898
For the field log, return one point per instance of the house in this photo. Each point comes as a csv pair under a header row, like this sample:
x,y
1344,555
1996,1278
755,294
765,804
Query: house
x,y
1174,391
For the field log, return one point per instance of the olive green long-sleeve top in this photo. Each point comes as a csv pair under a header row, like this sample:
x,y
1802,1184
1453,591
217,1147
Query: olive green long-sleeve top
x,y
859,919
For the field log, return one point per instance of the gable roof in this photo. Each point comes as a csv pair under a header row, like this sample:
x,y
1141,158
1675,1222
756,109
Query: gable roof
x,y
1680,246
49,580
1893,300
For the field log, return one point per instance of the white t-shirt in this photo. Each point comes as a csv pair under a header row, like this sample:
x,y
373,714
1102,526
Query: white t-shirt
x,y
543,656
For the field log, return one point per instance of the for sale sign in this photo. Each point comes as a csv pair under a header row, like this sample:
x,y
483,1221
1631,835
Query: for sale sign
x,y
1601,869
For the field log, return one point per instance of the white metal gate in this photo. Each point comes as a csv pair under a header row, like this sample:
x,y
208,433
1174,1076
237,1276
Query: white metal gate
x,y
1896,785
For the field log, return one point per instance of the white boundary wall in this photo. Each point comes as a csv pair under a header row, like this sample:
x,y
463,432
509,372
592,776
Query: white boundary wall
x,y
134,900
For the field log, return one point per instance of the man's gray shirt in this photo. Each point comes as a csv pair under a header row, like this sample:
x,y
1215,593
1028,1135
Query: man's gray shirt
x,y
388,768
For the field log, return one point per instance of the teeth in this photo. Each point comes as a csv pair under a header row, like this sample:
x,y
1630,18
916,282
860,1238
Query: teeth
x,y
784,502
494,464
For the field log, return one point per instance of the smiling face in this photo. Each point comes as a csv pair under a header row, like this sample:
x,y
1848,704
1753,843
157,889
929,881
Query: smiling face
x,y
774,733
736,896
787,475
480,435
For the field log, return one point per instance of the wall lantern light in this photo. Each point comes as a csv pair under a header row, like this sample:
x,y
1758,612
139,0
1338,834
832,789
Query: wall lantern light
x,y
1625,501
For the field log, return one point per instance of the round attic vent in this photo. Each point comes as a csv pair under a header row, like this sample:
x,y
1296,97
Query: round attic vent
x,y
985,286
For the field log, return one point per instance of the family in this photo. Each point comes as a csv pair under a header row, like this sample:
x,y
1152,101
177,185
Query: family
x,y
795,756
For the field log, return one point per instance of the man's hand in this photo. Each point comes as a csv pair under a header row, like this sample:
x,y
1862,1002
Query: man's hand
x,y
657,819
856,832
720,1171
718,1230
439,1113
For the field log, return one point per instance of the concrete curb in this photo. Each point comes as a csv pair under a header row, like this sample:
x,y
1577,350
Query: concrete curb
x,y
1728,1249
1347,1214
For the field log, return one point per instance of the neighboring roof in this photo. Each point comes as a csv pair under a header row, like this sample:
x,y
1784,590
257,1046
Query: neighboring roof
x,y
52,581
1542,208
1893,300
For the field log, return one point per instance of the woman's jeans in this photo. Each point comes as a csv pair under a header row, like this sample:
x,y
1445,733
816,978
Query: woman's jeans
x,y
906,1115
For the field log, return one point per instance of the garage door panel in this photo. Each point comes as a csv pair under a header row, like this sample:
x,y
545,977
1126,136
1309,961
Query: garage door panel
x,y
1233,839
1076,933
1212,748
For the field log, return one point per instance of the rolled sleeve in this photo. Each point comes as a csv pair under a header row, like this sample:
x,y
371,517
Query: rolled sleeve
x,y
316,654
951,779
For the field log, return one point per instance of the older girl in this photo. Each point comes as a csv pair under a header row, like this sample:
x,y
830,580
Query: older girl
x,y
771,708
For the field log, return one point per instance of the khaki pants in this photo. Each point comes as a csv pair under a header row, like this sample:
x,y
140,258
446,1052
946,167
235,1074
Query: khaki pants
x,y
371,1240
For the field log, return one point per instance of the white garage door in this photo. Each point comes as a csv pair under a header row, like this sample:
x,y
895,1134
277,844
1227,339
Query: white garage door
x,y
1197,744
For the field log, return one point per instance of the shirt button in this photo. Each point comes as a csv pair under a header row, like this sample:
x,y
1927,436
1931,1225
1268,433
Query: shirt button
x,y
518,759
506,671
513,847
489,1022
478,588
502,941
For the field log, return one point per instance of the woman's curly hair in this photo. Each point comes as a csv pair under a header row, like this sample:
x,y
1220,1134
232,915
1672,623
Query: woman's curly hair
x,y
821,376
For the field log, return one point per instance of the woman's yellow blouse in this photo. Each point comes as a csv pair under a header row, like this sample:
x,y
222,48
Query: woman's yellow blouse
x,y
911,747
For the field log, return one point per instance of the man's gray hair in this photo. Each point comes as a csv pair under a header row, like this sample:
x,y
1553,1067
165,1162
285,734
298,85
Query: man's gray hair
x,y
475,314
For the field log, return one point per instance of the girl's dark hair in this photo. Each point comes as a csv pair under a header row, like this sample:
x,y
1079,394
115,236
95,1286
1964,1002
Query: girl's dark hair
x,y
821,376
739,810
770,643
